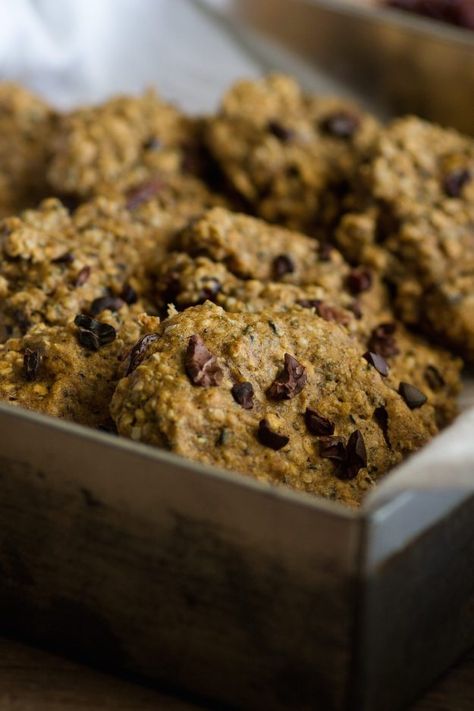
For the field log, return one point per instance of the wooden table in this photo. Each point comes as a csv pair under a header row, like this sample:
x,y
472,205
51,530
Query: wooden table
x,y
33,680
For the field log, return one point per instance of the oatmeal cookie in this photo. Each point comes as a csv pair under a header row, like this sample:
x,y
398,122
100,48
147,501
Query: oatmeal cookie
x,y
54,264
168,203
257,253
284,397
254,249
291,156
121,144
26,124
185,281
70,371
418,227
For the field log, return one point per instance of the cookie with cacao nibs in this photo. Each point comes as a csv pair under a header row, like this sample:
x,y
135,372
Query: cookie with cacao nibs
x,y
184,281
126,141
286,152
289,396
71,263
251,248
414,224
49,370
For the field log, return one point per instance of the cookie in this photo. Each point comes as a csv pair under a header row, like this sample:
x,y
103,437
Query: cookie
x,y
26,124
289,155
122,146
185,281
54,264
70,371
254,249
254,255
167,203
417,227
283,397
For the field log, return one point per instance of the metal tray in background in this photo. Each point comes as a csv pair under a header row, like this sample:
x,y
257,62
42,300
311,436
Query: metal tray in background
x,y
136,560
400,63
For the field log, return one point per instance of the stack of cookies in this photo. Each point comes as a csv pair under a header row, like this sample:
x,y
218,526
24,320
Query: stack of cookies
x,y
284,289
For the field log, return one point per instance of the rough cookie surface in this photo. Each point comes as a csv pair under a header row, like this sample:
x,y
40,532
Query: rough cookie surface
x,y
26,124
284,397
253,249
54,264
418,227
280,356
56,370
289,155
248,246
124,147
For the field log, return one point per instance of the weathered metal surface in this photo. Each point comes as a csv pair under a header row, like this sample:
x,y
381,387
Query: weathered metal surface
x,y
398,62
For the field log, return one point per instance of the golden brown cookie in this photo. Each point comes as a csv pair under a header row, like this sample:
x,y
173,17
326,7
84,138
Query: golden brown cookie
x,y
54,264
291,156
70,371
185,281
254,249
26,124
139,147
417,226
284,397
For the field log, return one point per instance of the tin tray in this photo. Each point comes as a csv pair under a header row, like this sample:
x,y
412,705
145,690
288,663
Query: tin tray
x,y
137,560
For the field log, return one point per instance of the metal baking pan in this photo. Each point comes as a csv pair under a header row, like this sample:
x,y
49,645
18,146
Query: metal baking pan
x,y
400,63
136,560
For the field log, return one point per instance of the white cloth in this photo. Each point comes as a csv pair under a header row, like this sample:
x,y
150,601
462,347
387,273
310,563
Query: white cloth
x,y
75,51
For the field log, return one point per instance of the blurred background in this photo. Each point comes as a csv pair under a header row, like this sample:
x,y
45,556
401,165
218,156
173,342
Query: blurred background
x,y
76,51
82,51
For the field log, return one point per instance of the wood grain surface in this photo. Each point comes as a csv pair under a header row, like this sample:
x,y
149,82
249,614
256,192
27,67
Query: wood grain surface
x,y
33,680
